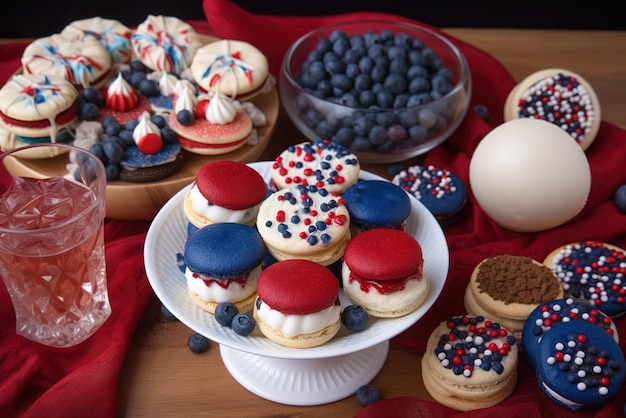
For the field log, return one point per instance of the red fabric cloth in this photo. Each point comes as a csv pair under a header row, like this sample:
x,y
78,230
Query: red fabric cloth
x,y
40,381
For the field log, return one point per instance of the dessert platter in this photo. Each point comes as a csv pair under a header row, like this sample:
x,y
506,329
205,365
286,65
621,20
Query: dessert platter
x,y
311,376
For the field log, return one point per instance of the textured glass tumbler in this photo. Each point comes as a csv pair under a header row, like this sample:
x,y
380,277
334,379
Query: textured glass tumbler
x,y
52,243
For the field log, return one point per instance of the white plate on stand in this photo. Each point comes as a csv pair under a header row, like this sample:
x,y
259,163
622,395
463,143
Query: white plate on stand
x,y
311,376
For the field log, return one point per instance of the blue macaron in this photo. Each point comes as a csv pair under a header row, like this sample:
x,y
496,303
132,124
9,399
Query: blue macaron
x,y
579,365
377,204
442,192
555,313
224,250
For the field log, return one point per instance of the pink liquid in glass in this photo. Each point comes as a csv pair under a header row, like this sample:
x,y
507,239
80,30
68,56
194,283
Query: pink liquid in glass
x,y
52,259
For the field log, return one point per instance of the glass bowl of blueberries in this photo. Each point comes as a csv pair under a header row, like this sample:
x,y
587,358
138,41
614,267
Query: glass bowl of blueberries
x,y
388,91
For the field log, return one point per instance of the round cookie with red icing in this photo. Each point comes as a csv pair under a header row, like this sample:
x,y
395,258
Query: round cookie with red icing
x,y
234,68
592,272
320,163
83,62
579,366
555,312
382,271
470,363
111,33
506,288
304,222
560,97
223,263
165,43
35,107
298,304
225,191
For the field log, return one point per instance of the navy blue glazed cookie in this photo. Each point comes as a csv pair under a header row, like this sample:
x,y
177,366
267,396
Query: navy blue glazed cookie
x,y
442,192
593,272
559,311
137,167
223,262
377,204
579,365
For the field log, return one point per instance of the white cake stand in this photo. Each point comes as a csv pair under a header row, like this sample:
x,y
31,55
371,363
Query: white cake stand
x,y
311,376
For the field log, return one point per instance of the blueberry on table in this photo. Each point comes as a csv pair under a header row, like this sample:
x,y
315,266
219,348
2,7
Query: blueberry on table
x,y
620,198
243,324
367,395
354,318
225,312
198,343
167,314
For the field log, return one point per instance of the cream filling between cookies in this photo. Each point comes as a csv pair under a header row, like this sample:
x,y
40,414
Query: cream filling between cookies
x,y
559,397
222,290
216,213
374,298
294,324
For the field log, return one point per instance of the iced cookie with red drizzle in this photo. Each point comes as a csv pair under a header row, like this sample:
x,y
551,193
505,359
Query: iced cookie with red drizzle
x,y
224,191
236,69
593,272
382,271
579,365
560,97
298,304
304,222
319,163
470,363
222,264
558,311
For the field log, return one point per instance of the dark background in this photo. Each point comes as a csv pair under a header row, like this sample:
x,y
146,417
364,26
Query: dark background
x,y
36,18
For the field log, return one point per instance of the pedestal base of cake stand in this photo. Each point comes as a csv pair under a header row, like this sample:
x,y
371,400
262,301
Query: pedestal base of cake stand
x,y
305,382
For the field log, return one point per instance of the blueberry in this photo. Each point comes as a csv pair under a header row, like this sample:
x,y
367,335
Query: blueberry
x,y
92,95
131,124
367,395
324,45
243,324
112,171
126,138
379,72
395,83
112,129
113,151
354,318
367,98
158,120
620,198
167,314
332,63
419,85
384,99
96,149
225,312
168,135
362,82
136,79
136,65
149,88
317,71
198,343
352,70
88,111
482,111
366,64
341,81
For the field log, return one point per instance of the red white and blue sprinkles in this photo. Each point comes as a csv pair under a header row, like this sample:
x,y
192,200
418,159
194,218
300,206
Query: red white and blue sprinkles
x,y
561,100
473,342
553,313
418,180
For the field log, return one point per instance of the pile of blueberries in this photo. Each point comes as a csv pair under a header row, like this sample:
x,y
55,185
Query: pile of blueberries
x,y
387,72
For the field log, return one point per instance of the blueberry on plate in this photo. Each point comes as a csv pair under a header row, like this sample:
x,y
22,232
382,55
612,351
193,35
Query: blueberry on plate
x,y
367,395
198,343
243,324
354,318
225,312
620,198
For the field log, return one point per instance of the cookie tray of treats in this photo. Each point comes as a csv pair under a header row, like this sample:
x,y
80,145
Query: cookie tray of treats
x,y
155,111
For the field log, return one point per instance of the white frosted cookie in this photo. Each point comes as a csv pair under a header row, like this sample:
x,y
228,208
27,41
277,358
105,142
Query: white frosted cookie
x,y
304,222
560,97
165,43
84,62
111,33
36,105
234,68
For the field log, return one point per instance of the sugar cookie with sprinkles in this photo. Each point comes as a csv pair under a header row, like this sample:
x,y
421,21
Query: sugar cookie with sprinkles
x,y
442,192
84,62
593,272
558,311
234,68
306,222
320,163
558,96
579,366
470,363
111,33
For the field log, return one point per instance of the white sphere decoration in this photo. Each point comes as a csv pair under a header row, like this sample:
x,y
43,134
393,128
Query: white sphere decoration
x,y
529,175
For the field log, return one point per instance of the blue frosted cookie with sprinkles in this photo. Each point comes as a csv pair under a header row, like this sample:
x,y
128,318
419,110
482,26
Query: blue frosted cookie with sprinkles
x,y
442,192
552,313
558,96
592,272
579,366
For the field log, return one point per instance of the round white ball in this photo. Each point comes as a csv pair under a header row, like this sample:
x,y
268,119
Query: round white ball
x,y
529,175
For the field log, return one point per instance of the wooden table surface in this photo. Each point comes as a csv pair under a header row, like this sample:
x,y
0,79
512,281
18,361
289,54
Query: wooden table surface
x,y
161,377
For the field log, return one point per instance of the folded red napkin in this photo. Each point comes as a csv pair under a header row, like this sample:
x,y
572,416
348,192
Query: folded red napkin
x,y
37,380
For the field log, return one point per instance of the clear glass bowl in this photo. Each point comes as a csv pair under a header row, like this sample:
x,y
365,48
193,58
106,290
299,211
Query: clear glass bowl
x,y
379,133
